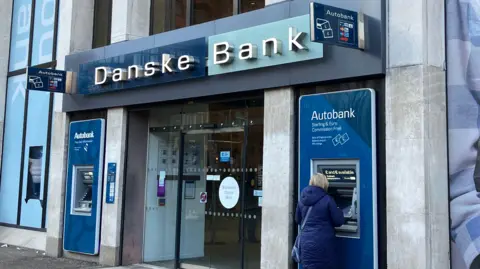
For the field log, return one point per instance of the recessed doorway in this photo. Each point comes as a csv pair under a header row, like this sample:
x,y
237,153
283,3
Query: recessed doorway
x,y
203,185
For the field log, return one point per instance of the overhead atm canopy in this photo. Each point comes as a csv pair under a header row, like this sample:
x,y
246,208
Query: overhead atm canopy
x,y
337,138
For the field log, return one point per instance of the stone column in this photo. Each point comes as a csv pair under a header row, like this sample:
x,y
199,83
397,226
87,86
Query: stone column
x,y
416,136
71,38
116,135
278,178
5,25
130,20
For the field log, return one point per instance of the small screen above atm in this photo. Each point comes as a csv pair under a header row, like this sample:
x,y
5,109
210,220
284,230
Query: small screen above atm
x,y
339,174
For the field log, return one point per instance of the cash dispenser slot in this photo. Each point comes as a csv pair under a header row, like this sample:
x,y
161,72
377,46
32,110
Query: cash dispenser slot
x,y
82,192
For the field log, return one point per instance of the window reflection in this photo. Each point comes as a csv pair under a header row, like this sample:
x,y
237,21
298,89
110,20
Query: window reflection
x,y
250,5
180,13
209,10
168,15
101,23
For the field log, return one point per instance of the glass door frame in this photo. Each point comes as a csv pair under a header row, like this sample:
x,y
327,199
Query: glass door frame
x,y
178,220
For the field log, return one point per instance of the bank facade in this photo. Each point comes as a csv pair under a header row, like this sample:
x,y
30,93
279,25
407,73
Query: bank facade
x,y
180,144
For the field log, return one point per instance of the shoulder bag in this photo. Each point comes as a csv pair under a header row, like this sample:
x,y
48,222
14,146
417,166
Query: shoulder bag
x,y
296,247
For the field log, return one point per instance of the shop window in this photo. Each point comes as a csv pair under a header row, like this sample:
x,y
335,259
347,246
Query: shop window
x,y
27,125
250,5
209,10
102,19
167,15
12,150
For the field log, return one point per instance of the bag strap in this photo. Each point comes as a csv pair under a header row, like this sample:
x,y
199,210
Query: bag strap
x,y
306,217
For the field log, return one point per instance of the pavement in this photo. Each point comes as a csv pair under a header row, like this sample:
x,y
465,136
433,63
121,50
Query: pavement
x,y
12,257
19,258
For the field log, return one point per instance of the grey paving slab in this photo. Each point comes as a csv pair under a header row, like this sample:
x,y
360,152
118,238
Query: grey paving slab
x,y
18,258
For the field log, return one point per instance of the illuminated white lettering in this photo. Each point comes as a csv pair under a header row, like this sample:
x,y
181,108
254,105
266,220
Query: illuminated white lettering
x,y
222,53
248,51
272,46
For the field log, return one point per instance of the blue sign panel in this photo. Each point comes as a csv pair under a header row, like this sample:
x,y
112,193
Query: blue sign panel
x,y
49,80
337,139
333,25
170,63
224,156
84,185
111,178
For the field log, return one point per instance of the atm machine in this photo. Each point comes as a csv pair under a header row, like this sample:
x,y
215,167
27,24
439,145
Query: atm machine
x,y
337,138
343,187
84,186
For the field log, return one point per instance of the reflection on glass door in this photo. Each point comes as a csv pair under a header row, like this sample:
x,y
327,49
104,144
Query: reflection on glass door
x,y
161,198
204,186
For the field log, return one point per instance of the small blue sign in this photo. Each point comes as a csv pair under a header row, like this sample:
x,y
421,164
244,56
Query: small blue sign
x,y
334,26
258,193
48,80
111,178
224,156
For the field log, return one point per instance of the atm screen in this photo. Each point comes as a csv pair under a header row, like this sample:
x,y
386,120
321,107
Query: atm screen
x,y
338,174
343,180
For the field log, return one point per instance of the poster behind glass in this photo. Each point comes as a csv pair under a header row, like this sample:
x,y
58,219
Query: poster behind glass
x,y
34,177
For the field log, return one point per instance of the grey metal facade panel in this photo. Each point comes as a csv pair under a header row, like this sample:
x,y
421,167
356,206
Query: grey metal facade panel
x,y
338,62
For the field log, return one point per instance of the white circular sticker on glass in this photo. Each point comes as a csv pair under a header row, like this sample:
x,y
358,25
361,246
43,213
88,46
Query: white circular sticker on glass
x,y
229,192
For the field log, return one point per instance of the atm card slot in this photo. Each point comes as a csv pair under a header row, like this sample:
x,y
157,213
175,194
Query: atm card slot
x,y
343,184
345,191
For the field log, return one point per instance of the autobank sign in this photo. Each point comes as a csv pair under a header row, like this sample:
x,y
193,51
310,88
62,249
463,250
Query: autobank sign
x,y
276,43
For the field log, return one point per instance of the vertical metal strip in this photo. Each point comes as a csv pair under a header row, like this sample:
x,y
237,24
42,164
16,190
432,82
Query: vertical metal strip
x,y
189,16
178,226
244,181
25,115
22,158
152,14
50,123
47,160
109,29
236,7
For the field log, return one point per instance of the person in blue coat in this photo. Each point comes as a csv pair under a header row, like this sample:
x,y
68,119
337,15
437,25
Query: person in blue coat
x,y
317,240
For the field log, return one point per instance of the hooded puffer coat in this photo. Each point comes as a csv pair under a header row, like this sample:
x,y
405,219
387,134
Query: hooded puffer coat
x,y
318,242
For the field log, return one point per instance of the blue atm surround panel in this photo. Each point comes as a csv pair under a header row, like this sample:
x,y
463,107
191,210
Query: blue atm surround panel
x,y
84,185
337,138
